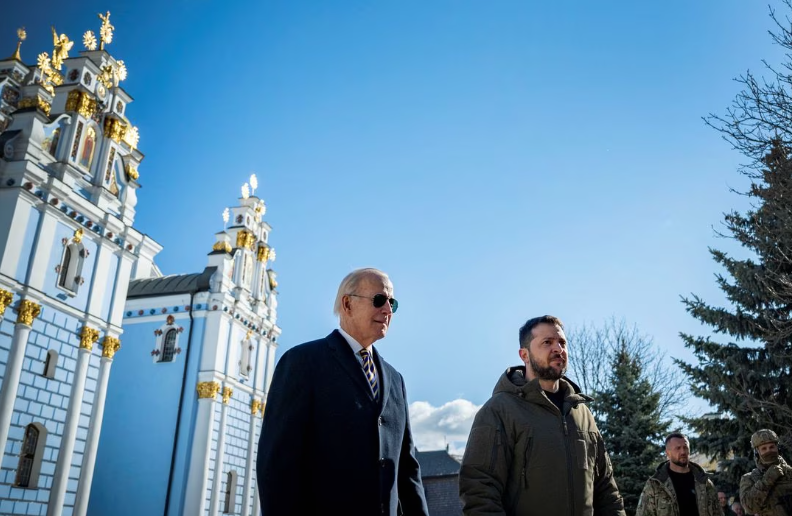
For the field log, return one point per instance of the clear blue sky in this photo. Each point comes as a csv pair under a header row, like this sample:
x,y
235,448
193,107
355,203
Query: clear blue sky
x,y
499,159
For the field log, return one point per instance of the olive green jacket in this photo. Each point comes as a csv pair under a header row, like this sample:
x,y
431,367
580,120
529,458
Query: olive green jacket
x,y
525,458
758,497
658,497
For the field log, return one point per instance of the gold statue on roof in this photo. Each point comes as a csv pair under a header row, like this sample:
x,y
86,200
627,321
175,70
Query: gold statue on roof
x,y
106,31
61,51
21,36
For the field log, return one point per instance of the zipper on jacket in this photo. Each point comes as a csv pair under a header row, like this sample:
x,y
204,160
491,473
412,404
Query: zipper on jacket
x,y
570,472
494,456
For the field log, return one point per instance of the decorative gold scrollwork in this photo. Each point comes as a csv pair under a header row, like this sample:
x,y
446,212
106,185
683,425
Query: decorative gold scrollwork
x,y
208,390
28,310
109,346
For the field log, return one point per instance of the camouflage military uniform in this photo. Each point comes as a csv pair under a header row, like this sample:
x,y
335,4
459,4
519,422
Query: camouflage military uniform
x,y
759,497
658,497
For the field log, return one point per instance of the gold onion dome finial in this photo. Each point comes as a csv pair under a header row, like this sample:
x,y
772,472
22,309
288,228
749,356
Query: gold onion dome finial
x,y
21,36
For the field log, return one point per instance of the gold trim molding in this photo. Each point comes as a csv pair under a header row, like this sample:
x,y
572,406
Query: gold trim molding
x,y
28,310
109,346
245,239
208,390
227,392
88,337
6,298
263,252
115,129
255,407
36,102
81,102
132,172
222,246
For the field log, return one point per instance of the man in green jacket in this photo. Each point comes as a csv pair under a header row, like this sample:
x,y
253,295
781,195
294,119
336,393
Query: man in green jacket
x,y
534,448
767,490
679,487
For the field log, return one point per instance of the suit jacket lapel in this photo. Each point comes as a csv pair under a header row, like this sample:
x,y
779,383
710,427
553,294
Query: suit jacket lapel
x,y
384,379
343,354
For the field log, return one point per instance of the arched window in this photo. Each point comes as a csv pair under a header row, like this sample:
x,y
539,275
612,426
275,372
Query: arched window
x,y
62,280
70,267
247,270
230,493
51,364
169,345
88,148
29,466
245,352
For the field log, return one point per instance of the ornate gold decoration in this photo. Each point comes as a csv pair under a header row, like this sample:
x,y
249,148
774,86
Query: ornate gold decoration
x,y
272,276
245,239
262,254
112,74
21,36
131,172
260,210
114,129
49,77
6,298
227,392
208,390
222,246
255,407
81,102
248,334
89,40
88,337
78,235
60,52
28,310
106,31
132,137
109,346
36,102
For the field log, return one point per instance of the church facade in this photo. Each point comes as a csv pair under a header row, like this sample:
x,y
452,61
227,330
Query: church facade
x,y
109,371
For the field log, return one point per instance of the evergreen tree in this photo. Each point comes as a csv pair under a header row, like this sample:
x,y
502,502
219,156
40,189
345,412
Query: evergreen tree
x,y
748,385
629,418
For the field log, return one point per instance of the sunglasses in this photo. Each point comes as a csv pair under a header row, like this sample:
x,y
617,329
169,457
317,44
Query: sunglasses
x,y
379,301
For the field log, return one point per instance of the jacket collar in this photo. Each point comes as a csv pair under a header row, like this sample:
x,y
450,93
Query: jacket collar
x,y
661,474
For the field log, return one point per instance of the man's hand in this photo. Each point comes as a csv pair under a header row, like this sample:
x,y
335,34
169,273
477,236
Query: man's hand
x,y
773,473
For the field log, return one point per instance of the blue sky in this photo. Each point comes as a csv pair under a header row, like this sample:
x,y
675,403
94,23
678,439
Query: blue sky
x,y
499,159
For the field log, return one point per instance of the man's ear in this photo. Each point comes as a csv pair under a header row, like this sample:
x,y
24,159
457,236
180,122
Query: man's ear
x,y
346,303
524,354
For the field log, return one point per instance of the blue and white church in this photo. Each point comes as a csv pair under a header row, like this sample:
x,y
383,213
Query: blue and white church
x,y
122,391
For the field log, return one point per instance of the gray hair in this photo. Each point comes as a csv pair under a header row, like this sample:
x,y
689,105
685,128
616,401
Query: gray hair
x,y
351,282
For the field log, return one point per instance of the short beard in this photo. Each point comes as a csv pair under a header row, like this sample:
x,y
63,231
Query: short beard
x,y
545,373
681,464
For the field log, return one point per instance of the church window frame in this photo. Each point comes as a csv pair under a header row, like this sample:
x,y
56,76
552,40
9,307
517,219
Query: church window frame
x,y
166,349
50,364
69,270
30,456
246,356
229,503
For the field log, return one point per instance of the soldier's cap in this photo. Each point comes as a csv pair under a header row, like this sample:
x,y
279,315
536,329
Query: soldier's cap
x,y
762,436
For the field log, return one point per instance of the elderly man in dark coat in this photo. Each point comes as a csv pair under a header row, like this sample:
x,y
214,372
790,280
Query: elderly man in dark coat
x,y
336,434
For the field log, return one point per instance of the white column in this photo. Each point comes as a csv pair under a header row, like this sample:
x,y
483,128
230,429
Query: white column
x,y
88,338
218,474
255,407
109,346
28,311
195,496
255,501
272,347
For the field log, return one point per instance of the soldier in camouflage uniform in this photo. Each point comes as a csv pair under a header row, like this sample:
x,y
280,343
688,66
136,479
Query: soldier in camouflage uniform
x,y
767,490
679,476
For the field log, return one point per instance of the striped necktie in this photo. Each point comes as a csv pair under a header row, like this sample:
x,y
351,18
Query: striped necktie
x,y
368,368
